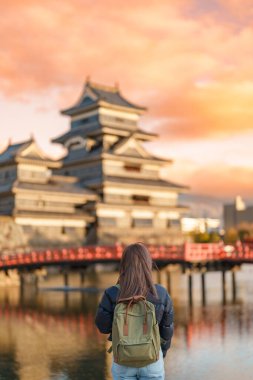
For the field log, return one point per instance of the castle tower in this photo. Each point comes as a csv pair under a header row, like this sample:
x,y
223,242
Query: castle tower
x,y
105,151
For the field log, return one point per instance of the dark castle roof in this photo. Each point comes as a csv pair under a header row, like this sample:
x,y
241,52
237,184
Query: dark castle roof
x,y
91,131
56,185
13,150
96,94
135,182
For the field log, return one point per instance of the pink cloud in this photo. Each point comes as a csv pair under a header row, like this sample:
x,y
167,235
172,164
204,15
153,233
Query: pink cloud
x,y
193,70
215,179
154,48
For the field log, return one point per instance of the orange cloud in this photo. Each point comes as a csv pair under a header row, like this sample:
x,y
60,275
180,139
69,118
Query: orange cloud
x,y
209,110
216,179
193,70
223,181
237,8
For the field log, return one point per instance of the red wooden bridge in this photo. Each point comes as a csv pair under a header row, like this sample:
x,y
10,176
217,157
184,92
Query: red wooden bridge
x,y
83,256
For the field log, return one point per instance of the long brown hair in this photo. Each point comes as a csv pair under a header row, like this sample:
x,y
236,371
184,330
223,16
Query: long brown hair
x,y
135,274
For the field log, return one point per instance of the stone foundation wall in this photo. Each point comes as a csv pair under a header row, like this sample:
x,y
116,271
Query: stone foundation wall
x,y
11,235
43,236
151,236
14,236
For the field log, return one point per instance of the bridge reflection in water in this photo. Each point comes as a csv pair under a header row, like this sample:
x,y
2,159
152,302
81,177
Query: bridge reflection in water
x,y
189,258
51,336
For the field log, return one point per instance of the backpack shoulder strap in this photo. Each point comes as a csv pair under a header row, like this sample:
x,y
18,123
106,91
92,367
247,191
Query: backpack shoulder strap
x,y
110,348
129,301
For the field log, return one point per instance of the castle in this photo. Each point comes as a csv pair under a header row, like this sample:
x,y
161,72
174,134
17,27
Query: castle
x,y
106,189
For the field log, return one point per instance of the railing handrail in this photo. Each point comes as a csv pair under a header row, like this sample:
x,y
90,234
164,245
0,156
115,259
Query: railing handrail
x,y
188,252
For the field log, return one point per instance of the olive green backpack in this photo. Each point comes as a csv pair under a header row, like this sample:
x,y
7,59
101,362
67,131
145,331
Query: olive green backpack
x,y
135,332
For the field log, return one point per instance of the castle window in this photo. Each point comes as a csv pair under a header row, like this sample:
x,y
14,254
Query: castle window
x,y
79,123
6,175
132,168
63,230
141,222
140,199
173,223
41,203
107,222
119,119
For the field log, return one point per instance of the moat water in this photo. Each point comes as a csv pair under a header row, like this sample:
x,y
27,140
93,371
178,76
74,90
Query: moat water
x,y
50,335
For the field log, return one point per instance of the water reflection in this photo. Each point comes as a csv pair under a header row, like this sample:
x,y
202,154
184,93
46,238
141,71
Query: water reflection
x,y
51,336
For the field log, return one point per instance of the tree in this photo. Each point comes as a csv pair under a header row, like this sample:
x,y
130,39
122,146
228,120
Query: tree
x,y
231,236
206,237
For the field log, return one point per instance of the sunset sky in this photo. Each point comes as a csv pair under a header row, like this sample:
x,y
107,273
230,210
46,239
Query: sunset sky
x,y
189,61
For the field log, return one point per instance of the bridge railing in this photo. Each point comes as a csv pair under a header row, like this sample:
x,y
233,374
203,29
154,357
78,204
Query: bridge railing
x,y
165,252
189,252
88,253
199,252
203,251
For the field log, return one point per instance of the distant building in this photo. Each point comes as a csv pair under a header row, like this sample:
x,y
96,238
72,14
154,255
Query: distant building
x,y
106,189
205,214
237,214
190,224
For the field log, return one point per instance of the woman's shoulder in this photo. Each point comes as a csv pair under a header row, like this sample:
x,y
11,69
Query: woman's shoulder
x,y
112,288
162,292
112,292
160,288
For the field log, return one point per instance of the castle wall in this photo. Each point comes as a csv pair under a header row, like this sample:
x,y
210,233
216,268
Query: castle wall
x,y
54,236
6,204
119,168
33,173
82,171
114,194
129,235
8,174
14,236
